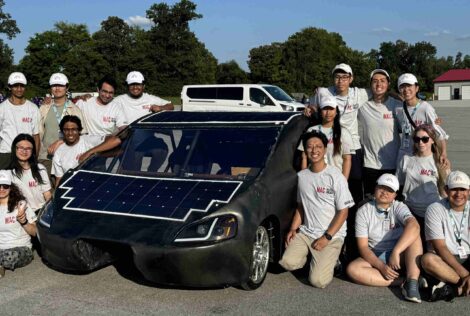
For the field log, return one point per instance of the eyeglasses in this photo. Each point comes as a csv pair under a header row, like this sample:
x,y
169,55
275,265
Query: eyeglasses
x,y
342,78
25,149
424,139
5,186
70,130
385,189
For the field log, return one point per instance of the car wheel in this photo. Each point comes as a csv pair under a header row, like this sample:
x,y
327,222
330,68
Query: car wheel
x,y
259,259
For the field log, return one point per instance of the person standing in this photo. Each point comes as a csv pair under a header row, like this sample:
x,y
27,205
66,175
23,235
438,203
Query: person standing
x,y
17,115
319,223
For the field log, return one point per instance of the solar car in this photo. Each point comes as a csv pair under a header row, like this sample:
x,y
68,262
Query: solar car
x,y
199,199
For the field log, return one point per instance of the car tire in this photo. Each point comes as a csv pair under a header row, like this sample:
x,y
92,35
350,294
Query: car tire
x,y
259,260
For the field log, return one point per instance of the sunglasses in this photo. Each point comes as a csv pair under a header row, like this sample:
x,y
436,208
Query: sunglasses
x,y
424,139
5,186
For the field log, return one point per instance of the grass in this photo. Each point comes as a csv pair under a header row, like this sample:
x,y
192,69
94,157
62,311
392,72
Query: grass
x,y
174,100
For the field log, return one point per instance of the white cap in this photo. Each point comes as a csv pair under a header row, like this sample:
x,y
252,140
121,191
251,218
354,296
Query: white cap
x,y
16,77
379,71
328,101
389,180
344,67
5,177
135,77
407,78
59,79
457,179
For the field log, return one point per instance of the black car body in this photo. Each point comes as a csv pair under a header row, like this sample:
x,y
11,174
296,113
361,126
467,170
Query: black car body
x,y
193,198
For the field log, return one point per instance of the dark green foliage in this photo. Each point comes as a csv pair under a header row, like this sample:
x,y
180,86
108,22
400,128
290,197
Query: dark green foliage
x,y
230,72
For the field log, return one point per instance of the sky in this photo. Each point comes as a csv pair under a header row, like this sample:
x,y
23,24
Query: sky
x,y
230,28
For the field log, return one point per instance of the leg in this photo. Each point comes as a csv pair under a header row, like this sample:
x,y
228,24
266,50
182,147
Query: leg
x,y
361,272
323,264
411,256
15,257
296,253
435,266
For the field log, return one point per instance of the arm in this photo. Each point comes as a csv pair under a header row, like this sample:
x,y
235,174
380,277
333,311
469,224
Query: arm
x,y
410,233
166,107
443,159
47,196
296,221
439,245
53,147
108,144
304,163
30,228
368,255
335,225
37,142
346,165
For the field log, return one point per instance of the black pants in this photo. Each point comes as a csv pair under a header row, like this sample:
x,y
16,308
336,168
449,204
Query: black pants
x,y
370,177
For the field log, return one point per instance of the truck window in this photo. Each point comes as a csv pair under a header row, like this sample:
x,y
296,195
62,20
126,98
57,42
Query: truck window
x,y
258,96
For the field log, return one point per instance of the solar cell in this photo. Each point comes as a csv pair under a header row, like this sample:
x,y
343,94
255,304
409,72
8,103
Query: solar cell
x,y
159,198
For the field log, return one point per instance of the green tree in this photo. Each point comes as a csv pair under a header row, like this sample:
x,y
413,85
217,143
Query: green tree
x,y
7,24
458,62
10,29
230,72
265,64
177,56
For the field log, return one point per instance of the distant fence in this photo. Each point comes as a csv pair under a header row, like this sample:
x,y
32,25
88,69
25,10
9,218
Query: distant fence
x,y
451,103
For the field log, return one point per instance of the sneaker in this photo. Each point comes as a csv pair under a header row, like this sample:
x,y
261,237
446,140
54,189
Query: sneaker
x,y
442,291
410,291
2,271
423,282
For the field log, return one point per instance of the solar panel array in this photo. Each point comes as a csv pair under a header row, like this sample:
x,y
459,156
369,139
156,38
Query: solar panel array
x,y
212,117
158,198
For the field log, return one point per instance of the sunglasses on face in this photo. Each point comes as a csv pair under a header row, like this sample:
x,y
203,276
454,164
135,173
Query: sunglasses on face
x,y
424,139
5,186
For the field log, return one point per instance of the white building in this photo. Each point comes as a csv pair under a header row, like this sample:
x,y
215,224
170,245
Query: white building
x,y
453,85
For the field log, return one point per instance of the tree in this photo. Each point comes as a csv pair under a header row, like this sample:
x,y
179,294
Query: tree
x,y
458,62
7,24
178,57
230,72
6,64
265,64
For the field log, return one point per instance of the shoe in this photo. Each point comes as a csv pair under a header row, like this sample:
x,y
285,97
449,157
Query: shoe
x,y
423,282
2,271
442,291
410,291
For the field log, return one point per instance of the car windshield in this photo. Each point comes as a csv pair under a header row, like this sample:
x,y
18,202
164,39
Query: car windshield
x,y
278,94
228,153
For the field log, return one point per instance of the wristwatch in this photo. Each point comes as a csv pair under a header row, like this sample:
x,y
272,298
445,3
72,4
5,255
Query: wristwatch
x,y
327,236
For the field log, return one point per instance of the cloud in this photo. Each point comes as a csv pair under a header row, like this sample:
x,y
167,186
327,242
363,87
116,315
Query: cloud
x,y
437,33
139,21
382,29
465,37
432,34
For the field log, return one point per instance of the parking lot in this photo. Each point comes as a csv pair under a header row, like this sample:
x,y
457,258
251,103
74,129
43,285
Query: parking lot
x,y
38,290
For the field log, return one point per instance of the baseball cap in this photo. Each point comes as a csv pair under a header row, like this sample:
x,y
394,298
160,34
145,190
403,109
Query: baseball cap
x,y
457,179
408,79
16,77
328,101
58,79
344,67
380,71
134,77
389,180
5,177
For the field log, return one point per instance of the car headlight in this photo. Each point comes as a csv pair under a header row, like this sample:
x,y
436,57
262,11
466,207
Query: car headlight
x,y
212,229
287,107
45,218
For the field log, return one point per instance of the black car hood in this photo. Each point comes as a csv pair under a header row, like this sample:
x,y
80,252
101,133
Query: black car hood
x,y
95,205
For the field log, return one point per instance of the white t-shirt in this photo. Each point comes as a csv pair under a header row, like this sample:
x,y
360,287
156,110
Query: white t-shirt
x,y
12,234
17,119
382,229
418,176
380,137
422,113
346,145
348,106
439,225
322,195
66,157
31,189
134,109
100,119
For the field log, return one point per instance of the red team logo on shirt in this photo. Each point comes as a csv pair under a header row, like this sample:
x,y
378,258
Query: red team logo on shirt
x,y
146,107
388,116
10,220
425,172
32,183
324,190
108,119
27,119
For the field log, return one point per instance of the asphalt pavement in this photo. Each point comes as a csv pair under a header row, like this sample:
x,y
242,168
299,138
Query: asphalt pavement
x,y
39,290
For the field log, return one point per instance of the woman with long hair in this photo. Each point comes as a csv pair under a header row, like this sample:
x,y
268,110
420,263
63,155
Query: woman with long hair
x,y
27,174
422,175
17,225
339,148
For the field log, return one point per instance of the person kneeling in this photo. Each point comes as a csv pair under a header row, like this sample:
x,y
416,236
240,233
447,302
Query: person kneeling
x,y
387,236
319,223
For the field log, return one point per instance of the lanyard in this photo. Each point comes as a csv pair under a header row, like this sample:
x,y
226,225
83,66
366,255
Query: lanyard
x,y
412,114
57,116
453,220
347,100
385,211
330,134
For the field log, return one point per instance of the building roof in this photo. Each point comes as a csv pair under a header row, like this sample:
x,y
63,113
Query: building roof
x,y
454,75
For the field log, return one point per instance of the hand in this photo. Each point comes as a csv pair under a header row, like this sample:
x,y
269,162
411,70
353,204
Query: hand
x,y
290,236
309,110
388,273
21,215
53,147
320,243
47,101
465,286
438,121
444,161
394,261
156,108
84,156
